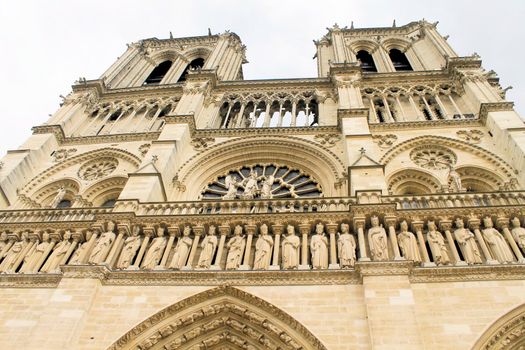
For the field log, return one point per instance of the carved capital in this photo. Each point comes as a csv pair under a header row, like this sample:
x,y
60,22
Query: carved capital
x,y
149,231
124,229
277,229
502,222
78,236
417,226
390,221
174,231
250,229
304,228
331,228
445,225
224,230
474,223
198,230
359,223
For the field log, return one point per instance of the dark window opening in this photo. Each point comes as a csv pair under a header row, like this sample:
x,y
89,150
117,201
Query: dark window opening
x,y
197,63
158,73
65,203
109,203
399,60
115,115
427,114
367,62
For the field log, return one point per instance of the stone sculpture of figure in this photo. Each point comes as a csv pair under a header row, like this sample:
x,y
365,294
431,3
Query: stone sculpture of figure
x,y
231,184
250,187
130,248
518,233
59,197
36,254
454,179
408,243
266,188
235,249
290,247
377,240
77,255
103,245
208,245
53,262
156,248
496,242
263,249
319,248
437,245
11,257
346,247
467,243
182,250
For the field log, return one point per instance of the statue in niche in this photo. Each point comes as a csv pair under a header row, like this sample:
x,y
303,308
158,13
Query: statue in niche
x,y
58,197
36,254
250,186
11,257
346,247
103,245
518,233
208,245
235,249
377,240
437,245
131,246
182,250
263,249
77,255
266,188
496,243
3,242
290,247
467,243
408,243
154,254
231,184
319,248
53,262
454,179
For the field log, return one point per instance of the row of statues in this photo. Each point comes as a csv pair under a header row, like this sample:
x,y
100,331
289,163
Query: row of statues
x,y
318,250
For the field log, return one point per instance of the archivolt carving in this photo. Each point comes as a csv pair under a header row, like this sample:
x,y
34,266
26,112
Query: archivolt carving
x,y
508,332
105,189
446,141
220,316
479,180
46,193
411,181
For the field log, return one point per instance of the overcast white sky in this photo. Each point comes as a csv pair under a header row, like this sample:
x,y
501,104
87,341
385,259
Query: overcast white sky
x,y
47,45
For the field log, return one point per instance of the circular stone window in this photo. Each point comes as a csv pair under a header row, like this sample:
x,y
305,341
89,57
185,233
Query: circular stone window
x,y
433,157
97,169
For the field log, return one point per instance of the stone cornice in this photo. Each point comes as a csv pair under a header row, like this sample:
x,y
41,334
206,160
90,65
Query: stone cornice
x,y
146,91
201,39
50,280
469,62
406,29
467,273
486,108
425,124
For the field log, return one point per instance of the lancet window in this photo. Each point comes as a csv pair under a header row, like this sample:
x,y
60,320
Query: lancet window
x,y
367,62
197,63
399,60
158,73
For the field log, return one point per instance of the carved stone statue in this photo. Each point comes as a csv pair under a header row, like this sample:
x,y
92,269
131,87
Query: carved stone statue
x,y
11,257
103,245
496,243
36,254
156,248
266,188
377,240
58,197
408,243
77,255
3,242
454,179
290,247
231,184
346,246
235,249
250,186
319,248
263,249
53,262
467,243
182,250
518,233
130,248
437,245
208,245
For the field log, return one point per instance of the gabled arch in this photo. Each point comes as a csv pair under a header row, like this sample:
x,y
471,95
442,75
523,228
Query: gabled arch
x,y
478,179
399,43
363,44
506,333
220,316
45,194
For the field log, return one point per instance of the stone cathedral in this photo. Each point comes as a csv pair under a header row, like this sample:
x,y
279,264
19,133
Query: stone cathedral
x,y
171,204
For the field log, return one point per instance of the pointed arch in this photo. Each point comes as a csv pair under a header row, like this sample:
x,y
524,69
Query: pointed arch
x,y
104,190
221,316
506,333
413,182
45,194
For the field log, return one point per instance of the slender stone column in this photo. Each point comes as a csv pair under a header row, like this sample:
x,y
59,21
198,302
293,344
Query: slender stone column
x,y
198,231
332,229
441,106
33,241
374,118
446,226
277,230
293,120
418,227
154,118
458,111
10,242
390,222
38,264
304,228
123,230
224,230
89,245
401,110
388,111
148,232
250,231
432,116
280,120
173,231
359,224
474,225
240,116
267,116
414,106
78,236
503,223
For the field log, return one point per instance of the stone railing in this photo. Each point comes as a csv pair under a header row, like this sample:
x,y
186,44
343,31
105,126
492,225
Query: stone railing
x,y
50,215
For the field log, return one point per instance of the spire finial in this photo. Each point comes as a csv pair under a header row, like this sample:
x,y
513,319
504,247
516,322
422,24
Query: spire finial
x,y
394,24
209,32
171,35
352,25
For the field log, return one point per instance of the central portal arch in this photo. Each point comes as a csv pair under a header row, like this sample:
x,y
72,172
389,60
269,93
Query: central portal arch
x,y
221,318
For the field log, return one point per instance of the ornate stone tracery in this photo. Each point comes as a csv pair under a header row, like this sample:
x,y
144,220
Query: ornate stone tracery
x,y
433,157
97,169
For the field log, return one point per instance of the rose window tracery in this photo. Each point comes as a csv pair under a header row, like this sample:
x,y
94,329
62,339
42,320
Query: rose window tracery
x,y
433,157
97,169
262,182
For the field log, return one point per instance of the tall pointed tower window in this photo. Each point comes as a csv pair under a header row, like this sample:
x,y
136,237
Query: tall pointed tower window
x,y
399,60
367,62
195,64
158,73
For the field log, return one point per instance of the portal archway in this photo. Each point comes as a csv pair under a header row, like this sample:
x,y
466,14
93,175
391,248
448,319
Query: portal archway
x,y
223,317
507,333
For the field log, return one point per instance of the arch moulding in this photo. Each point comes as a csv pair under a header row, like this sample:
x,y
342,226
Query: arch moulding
x,y
507,333
223,317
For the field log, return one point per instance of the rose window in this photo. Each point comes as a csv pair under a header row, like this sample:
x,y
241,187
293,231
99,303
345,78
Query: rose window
x,y
97,169
433,157
262,182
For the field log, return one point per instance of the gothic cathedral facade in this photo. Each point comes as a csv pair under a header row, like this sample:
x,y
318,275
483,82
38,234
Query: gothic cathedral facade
x,y
171,204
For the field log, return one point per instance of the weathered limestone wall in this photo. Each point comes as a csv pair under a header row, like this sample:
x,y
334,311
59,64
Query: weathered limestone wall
x,y
382,313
